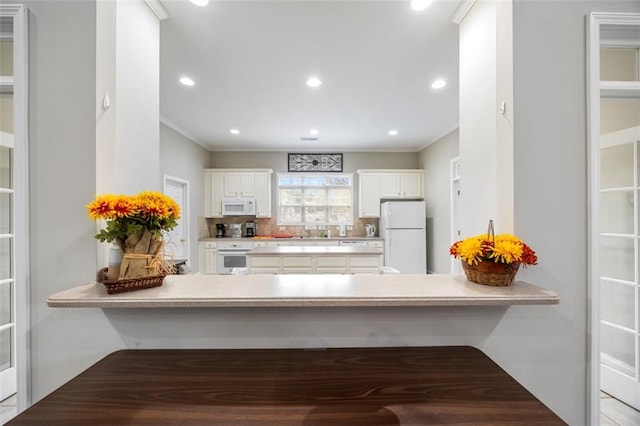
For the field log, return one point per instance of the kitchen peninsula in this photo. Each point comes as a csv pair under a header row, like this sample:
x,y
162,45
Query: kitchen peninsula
x,y
309,291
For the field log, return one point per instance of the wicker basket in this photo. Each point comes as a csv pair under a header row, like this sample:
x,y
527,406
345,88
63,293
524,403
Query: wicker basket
x,y
129,284
491,273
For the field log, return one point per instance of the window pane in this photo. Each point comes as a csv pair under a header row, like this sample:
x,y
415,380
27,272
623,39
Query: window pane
x,y
315,197
617,303
5,167
5,212
5,258
6,113
616,166
290,214
616,212
617,259
339,197
290,197
618,344
618,64
6,55
315,214
314,181
323,198
5,348
338,180
290,180
618,114
5,303
339,214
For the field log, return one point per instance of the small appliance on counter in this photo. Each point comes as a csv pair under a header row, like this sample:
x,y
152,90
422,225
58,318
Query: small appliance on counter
x,y
221,229
236,230
370,230
251,228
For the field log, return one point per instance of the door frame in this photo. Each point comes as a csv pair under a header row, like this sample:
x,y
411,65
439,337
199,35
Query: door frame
x,y
454,207
21,199
184,215
594,22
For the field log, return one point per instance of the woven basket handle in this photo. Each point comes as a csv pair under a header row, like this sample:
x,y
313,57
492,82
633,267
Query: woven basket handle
x,y
491,235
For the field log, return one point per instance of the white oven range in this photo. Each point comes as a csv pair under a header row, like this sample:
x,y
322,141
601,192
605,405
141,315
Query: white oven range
x,y
232,254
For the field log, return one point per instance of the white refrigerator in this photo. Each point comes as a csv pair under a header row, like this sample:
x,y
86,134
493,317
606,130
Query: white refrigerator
x,y
402,225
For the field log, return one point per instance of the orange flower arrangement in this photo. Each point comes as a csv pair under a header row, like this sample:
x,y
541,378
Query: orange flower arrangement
x,y
504,248
129,214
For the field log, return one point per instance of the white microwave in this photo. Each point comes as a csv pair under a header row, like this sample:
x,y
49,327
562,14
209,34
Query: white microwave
x,y
238,207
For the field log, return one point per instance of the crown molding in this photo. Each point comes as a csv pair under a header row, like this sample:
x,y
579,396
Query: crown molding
x,y
157,8
463,8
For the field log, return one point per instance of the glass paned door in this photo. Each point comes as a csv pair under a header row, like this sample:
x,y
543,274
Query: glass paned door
x,y
7,278
7,240
619,224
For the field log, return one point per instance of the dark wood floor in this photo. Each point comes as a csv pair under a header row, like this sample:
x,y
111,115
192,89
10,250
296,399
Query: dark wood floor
x,y
357,386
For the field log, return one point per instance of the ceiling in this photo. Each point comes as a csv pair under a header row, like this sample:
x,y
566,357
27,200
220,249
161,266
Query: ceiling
x,y
250,61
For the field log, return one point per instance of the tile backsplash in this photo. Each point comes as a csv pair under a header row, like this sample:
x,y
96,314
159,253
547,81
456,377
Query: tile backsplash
x,y
268,226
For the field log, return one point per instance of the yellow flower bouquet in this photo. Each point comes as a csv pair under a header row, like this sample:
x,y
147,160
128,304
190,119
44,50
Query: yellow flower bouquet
x,y
136,223
493,259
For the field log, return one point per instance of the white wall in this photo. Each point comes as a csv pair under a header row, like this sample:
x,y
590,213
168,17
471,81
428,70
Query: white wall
x,y
478,132
182,158
352,161
62,126
137,103
435,160
550,156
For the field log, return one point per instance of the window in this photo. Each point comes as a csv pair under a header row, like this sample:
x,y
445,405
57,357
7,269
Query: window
x,y
315,199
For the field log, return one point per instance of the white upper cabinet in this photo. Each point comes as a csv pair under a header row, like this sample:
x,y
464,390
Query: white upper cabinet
x,y
213,193
240,184
369,195
220,183
381,184
262,181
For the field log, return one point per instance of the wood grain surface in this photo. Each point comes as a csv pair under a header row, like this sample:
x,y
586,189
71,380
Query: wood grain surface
x,y
354,386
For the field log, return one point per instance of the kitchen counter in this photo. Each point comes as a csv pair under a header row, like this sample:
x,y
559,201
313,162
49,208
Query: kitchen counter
x,y
293,239
315,251
311,291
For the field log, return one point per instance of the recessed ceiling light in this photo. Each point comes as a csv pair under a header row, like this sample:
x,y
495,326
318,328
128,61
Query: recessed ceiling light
x,y
314,82
314,132
438,84
234,131
186,81
200,2
393,132
420,5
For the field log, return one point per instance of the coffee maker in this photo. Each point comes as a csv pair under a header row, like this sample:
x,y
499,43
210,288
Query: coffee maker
x,y
251,227
220,230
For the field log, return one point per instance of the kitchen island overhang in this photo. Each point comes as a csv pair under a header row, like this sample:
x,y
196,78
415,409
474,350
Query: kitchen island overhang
x,y
307,290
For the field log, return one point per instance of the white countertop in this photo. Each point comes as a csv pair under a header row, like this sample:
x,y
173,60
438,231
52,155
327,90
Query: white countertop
x,y
293,239
314,251
184,291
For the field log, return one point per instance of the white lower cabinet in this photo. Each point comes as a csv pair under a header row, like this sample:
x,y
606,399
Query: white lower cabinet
x,y
208,257
364,265
316,264
331,265
297,265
